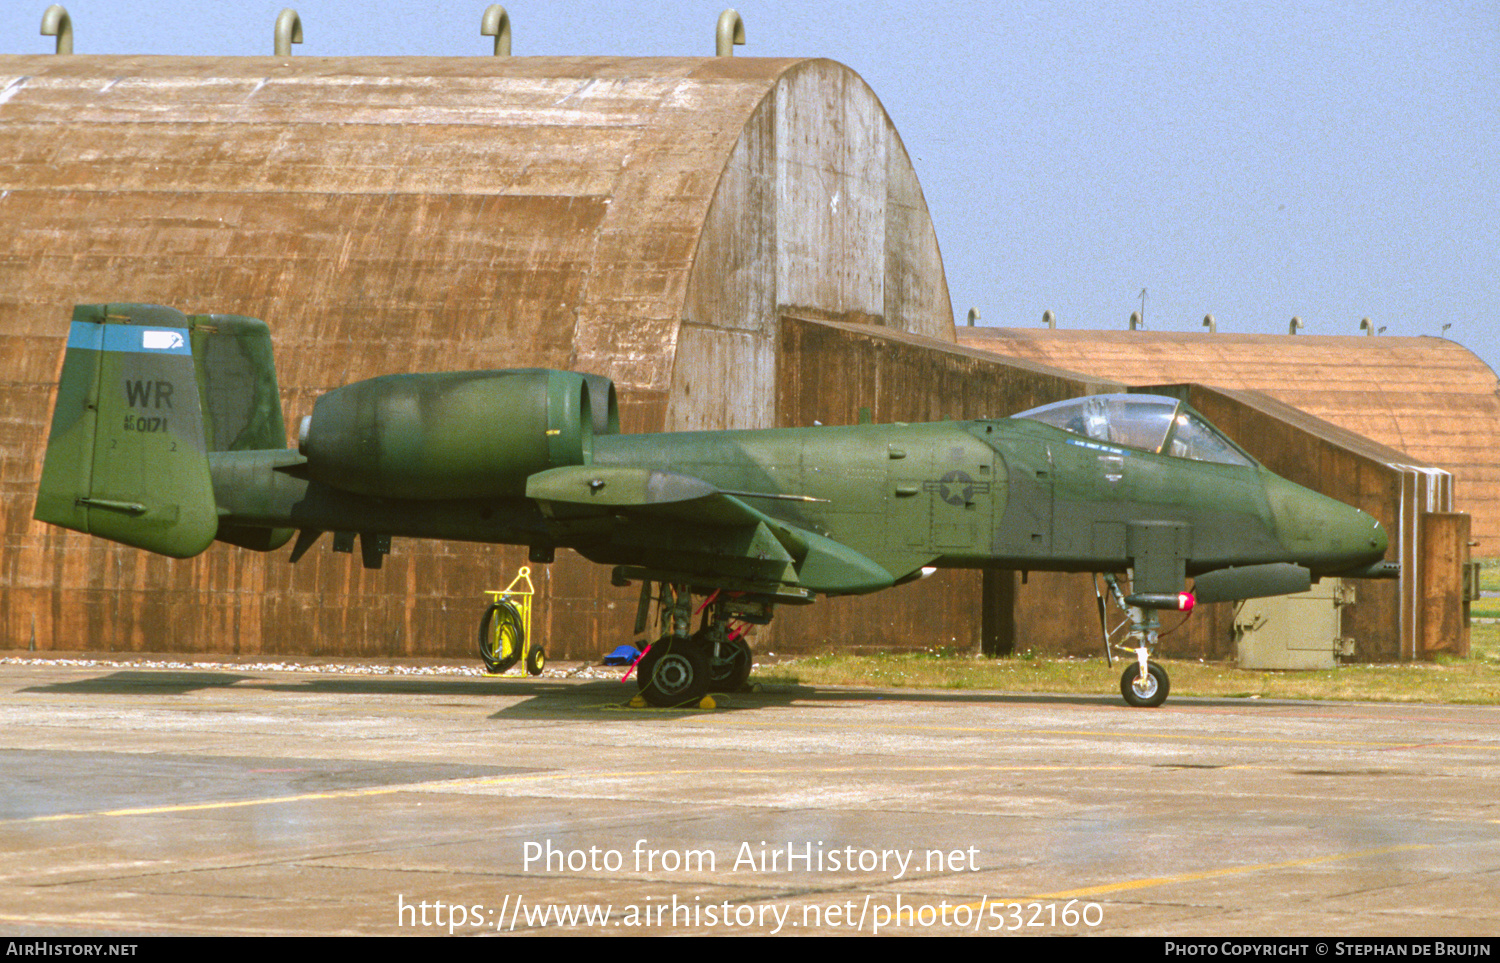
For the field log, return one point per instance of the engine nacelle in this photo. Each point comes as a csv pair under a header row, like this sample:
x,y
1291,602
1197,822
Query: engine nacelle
x,y
467,434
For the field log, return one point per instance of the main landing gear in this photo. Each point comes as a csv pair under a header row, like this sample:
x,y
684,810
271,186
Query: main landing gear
x,y
1144,683
680,668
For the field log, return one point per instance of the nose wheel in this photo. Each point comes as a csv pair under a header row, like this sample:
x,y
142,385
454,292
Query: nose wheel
x,y
1144,690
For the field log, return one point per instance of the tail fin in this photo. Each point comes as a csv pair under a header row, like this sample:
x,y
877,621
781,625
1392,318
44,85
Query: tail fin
x,y
237,382
127,456
241,402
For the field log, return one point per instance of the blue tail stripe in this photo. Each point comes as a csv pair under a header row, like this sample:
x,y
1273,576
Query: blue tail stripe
x,y
129,338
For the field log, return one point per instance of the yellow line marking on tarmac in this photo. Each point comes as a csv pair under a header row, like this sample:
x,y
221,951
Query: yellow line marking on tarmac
x,y
482,781
1137,884
278,800
1227,871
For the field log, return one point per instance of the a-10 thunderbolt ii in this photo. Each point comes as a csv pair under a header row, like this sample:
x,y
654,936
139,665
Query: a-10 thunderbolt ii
x,y
168,435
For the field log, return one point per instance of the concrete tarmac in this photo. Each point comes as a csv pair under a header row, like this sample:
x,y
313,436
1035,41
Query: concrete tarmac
x,y
241,800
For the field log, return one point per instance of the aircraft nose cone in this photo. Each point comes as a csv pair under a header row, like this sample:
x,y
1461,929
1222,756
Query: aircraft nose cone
x,y
1324,533
1379,541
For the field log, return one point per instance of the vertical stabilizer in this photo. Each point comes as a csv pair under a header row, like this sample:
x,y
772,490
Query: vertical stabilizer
x,y
126,457
237,383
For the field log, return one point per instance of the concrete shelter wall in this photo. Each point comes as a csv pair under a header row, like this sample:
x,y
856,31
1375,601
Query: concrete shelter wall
x,y
818,210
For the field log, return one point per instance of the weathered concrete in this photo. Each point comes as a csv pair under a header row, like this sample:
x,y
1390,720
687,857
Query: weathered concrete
x,y
235,800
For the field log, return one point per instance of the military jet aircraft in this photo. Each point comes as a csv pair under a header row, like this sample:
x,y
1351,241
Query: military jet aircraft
x,y
168,434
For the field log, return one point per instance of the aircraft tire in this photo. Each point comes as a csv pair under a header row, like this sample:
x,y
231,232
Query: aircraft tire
x,y
673,673
731,670
501,637
1151,693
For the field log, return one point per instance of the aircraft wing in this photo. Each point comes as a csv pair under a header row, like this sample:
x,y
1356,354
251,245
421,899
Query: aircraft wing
x,y
700,528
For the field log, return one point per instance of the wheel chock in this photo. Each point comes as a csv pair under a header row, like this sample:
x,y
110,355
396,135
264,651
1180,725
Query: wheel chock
x,y
637,701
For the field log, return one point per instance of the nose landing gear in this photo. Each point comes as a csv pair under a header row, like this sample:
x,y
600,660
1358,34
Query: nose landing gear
x,y
1144,687
1144,684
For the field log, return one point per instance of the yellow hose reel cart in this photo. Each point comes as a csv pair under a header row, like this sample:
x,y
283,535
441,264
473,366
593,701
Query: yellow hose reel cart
x,y
505,631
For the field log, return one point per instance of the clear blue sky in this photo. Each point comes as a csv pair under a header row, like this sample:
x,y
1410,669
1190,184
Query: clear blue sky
x,y
1254,160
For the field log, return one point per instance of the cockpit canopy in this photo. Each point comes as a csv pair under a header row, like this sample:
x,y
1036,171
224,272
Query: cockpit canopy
x,y
1154,423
